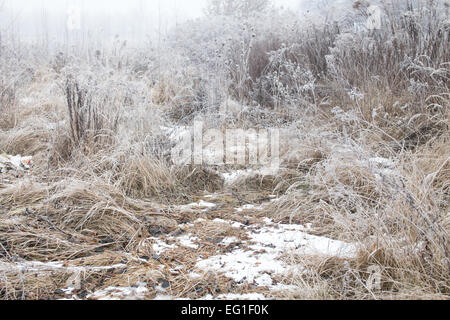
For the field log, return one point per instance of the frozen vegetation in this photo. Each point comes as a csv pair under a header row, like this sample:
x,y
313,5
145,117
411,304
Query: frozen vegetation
x,y
93,205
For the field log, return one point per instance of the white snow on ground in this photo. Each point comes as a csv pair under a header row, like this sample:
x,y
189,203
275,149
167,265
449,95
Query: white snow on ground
x,y
243,266
246,296
163,297
286,238
233,176
212,196
160,246
36,266
68,290
194,275
201,204
176,270
267,244
229,296
234,296
204,204
229,240
256,263
237,225
121,293
187,241
249,207
15,162
233,224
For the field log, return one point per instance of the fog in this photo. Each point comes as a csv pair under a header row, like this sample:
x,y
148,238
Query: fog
x,y
47,20
224,150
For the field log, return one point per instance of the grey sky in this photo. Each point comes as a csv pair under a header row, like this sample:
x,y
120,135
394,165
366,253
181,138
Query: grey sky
x,y
186,8
34,18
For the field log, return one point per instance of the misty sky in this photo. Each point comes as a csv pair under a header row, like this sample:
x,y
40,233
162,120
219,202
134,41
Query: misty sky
x,y
35,18
181,8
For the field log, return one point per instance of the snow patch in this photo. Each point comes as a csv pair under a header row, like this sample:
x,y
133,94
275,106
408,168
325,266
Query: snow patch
x,y
243,266
233,176
187,241
267,245
229,240
199,205
160,246
121,293
245,296
14,162
37,266
249,207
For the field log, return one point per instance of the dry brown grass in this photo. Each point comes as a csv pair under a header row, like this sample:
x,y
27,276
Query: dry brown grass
x,y
374,172
24,141
145,176
198,178
92,209
33,281
399,213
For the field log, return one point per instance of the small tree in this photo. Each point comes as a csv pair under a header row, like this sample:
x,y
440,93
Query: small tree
x,y
236,7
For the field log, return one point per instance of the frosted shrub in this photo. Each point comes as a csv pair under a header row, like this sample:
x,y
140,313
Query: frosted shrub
x,y
233,52
95,103
290,83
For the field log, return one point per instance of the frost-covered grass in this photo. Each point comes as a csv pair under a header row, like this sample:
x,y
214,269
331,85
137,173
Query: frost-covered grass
x,y
87,182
